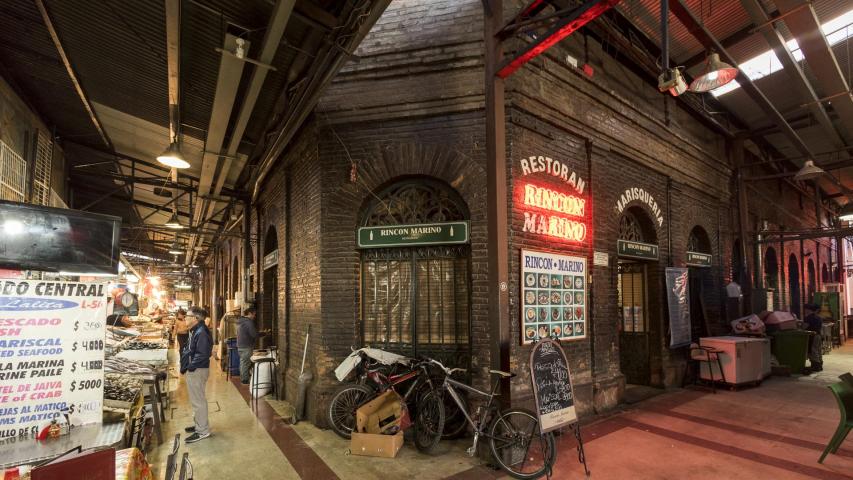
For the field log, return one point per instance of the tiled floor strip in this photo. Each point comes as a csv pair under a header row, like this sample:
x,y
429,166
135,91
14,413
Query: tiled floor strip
x,y
304,460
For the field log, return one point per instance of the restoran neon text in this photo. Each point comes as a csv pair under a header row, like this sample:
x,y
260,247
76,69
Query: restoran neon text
x,y
551,200
554,225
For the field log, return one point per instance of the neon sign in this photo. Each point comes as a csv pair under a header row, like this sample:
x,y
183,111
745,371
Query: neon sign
x,y
551,212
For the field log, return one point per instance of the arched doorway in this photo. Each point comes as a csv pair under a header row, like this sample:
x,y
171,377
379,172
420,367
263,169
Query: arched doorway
x,y
269,300
637,328
771,273
811,277
794,285
700,282
415,300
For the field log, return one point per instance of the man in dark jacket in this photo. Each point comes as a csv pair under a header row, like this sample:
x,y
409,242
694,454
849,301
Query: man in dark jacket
x,y
247,335
814,323
195,363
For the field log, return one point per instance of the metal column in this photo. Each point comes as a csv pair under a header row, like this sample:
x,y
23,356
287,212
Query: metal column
x,y
497,248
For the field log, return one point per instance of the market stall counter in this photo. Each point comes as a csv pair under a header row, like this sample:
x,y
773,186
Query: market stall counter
x,y
28,451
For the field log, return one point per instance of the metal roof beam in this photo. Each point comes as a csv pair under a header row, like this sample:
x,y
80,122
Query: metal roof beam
x,y
316,83
562,28
173,61
272,39
707,39
805,27
799,81
54,36
228,81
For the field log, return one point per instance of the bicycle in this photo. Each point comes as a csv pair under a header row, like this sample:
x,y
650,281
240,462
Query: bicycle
x,y
372,379
429,411
515,441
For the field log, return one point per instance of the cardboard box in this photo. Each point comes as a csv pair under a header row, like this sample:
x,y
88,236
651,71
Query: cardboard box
x,y
376,445
380,414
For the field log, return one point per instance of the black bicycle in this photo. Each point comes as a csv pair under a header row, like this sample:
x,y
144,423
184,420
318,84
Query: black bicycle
x,y
515,440
426,406
372,378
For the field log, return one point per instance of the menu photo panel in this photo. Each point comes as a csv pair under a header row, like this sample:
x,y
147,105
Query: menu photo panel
x,y
553,296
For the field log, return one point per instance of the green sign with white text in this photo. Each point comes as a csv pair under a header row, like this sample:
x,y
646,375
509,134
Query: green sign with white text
x,y
410,235
643,251
696,259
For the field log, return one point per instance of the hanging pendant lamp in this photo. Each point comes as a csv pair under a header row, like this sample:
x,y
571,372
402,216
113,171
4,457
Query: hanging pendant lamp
x,y
172,157
810,171
717,74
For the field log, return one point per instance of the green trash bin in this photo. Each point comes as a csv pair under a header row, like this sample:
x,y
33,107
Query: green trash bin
x,y
791,348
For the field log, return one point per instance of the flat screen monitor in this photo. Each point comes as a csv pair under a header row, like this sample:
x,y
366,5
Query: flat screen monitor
x,y
33,237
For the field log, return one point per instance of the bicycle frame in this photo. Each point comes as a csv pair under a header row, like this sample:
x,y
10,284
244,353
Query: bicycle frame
x,y
450,385
419,374
482,423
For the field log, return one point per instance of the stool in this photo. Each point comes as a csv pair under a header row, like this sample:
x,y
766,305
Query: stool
x,y
709,356
256,384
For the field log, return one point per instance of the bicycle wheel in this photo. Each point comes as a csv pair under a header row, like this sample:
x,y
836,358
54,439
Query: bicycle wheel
x,y
455,423
345,401
517,446
429,422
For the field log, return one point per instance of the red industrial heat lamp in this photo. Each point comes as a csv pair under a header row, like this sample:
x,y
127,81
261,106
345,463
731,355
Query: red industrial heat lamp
x,y
717,74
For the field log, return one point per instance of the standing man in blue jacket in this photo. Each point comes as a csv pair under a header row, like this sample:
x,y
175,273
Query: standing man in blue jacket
x,y
195,364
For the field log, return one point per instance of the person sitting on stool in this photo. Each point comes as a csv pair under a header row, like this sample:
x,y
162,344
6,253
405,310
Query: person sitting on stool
x,y
247,335
814,323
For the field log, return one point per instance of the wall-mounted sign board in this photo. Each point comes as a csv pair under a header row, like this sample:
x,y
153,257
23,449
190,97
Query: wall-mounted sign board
x,y
271,259
639,250
412,235
696,259
600,259
553,296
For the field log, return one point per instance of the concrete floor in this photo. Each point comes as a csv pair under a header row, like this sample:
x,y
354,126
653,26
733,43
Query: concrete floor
x,y
776,430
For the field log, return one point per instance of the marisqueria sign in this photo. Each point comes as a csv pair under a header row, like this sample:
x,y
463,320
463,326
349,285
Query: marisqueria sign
x,y
412,235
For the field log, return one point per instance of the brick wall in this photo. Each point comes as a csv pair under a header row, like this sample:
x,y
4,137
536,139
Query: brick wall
x,y
447,148
414,105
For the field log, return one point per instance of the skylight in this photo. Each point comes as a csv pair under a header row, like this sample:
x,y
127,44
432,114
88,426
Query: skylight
x,y
836,31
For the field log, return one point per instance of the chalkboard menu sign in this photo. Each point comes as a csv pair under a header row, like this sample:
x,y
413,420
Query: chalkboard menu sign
x,y
677,288
552,386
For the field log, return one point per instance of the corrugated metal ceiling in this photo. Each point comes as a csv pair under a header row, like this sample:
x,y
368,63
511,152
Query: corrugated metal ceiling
x,y
118,52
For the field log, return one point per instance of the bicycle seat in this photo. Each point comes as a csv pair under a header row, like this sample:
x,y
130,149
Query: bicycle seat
x,y
502,373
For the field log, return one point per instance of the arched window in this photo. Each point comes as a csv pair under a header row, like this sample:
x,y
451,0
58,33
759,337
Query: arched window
x,y
771,269
698,241
812,281
636,226
794,284
415,300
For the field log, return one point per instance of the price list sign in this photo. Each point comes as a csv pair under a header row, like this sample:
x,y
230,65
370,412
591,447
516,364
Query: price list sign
x,y
51,354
